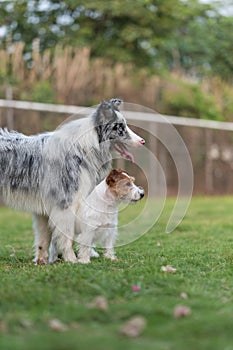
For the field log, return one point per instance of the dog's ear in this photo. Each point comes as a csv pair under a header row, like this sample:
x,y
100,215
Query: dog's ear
x,y
106,110
116,102
114,176
132,179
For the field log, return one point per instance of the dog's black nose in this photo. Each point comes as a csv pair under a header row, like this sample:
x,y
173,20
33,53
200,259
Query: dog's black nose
x,y
141,194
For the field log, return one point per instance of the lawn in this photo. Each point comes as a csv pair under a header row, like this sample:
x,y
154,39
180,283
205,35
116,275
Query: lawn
x,y
201,249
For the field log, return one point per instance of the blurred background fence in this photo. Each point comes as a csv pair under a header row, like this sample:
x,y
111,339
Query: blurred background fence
x,y
208,142
173,56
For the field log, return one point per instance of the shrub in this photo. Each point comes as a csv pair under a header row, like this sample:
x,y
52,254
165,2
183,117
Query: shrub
x,y
188,100
43,92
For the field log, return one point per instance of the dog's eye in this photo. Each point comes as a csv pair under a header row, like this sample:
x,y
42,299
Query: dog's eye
x,y
128,183
115,127
121,129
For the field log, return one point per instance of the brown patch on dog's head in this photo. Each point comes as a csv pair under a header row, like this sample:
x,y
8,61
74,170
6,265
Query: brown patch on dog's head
x,y
119,182
117,175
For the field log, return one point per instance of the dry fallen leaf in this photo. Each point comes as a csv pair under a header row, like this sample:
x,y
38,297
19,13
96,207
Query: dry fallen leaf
x,y
100,303
25,323
183,295
168,268
134,326
182,311
3,327
57,325
74,325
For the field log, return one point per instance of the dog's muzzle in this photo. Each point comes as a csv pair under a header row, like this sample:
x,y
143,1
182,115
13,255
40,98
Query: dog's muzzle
x,y
141,192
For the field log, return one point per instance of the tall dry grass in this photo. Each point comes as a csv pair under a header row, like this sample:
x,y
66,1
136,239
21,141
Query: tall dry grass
x,y
75,78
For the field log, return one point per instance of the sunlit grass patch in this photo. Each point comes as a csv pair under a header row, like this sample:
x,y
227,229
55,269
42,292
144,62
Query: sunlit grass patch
x,y
200,249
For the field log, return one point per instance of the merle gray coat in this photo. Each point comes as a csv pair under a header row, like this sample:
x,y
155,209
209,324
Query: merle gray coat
x,y
49,174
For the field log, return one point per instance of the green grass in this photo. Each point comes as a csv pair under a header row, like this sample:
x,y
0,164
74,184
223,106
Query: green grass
x,y
201,249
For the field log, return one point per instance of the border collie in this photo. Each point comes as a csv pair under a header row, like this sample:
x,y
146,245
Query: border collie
x,y
51,173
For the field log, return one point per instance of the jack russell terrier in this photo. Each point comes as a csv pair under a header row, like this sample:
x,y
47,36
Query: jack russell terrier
x,y
97,218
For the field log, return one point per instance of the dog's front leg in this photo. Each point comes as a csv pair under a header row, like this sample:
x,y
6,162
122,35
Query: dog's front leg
x,y
62,223
42,233
108,244
53,251
85,242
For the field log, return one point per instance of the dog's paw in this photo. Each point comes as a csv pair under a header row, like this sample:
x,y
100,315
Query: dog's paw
x,y
73,261
56,260
114,258
70,257
111,257
41,262
84,261
94,254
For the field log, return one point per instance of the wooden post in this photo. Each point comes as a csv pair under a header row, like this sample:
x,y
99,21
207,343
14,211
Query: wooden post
x,y
154,173
9,111
209,181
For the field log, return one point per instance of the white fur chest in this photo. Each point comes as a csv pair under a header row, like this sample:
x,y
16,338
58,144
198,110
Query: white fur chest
x,y
99,210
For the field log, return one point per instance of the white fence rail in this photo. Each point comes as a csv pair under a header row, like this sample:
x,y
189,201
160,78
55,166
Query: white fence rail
x,y
148,117
209,142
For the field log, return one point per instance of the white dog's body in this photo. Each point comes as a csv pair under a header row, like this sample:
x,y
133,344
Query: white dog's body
x,y
97,218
